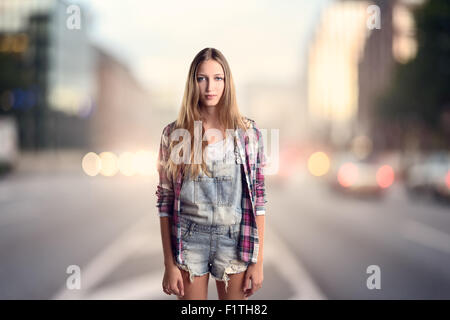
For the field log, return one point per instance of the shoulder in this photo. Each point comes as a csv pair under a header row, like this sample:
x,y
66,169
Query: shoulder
x,y
249,123
252,126
165,135
169,128
252,134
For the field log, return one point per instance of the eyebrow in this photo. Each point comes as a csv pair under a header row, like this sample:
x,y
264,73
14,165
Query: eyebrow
x,y
217,74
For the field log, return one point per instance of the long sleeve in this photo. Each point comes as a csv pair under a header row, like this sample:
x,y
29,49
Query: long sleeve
x,y
260,196
164,192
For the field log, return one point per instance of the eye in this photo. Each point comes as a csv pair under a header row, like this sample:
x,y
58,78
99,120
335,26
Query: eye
x,y
217,78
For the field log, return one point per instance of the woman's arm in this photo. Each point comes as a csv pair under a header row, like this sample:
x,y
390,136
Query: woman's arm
x,y
255,270
165,226
260,221
260,197
260,188
172,281
164,192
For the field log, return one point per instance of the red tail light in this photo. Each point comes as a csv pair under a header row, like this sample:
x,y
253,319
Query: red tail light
x,y
348,174
447,179
385,176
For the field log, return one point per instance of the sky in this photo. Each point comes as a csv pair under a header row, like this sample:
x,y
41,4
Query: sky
x,y
263,41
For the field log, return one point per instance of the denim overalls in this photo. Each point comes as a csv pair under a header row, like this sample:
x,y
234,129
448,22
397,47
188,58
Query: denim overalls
x,y
210,215
215,200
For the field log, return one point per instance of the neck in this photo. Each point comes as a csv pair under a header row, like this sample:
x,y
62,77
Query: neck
x,y
210,114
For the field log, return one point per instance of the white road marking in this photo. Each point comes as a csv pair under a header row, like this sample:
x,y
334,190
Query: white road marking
x,y
129,243
148,286
290,268
426,235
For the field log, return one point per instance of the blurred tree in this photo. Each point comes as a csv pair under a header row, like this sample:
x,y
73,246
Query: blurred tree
x,y
13,74
420,89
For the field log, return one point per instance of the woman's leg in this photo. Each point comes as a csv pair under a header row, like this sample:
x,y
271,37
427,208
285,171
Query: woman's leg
x,y
234,290
197,290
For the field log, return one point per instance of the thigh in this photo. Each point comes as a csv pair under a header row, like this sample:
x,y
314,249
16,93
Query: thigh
x,y
197,290
195,249
227,269
234,290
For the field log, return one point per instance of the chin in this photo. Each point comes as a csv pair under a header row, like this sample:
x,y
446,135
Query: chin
x,y
210,103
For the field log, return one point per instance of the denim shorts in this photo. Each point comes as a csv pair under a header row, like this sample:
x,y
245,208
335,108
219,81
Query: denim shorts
x,y
210,248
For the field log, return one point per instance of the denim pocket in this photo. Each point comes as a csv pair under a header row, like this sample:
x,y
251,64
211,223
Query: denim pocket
x,y
186,231
235,235
205,191
224,191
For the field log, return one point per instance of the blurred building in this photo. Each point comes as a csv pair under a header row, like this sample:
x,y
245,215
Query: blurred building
x,y
350,64
333,70
126,117
394,42
50,92
65,92
276,105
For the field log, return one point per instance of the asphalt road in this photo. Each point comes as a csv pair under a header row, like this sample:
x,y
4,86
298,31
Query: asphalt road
x,y
318,244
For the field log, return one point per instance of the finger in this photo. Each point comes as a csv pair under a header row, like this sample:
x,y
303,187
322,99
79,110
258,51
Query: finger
x,y
252,290
248,293
181,287
174,289
166,290
246,283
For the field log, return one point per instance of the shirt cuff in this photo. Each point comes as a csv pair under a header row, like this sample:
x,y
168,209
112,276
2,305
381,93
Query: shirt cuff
x,y
163,214
260,212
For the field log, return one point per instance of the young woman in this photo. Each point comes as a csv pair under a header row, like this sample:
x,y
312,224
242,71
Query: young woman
x,y
211,192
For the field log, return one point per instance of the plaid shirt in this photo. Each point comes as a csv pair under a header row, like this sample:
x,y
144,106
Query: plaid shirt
x,y
251,155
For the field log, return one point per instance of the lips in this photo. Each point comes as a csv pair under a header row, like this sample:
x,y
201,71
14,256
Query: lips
x,y
210,96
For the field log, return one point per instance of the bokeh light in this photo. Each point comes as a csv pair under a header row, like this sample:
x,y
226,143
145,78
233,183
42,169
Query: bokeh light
x,y
447,179
318,164
126,164
91,164
109,164
361,146
144,162
347,174
385,176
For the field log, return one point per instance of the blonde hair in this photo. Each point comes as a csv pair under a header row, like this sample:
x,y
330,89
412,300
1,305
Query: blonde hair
x,y
228,111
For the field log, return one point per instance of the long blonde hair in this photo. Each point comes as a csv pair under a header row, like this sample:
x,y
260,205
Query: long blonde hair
x,y
228,111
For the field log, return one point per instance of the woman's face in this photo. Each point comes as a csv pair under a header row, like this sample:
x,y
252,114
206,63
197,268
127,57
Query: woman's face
x,y
211,82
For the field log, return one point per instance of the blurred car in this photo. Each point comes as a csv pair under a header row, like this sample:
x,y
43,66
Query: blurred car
x,y
430,176
8,143
290,162
442,186
359,177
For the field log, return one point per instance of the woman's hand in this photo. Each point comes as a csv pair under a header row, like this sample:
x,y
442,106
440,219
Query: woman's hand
x,y
173,281
255,273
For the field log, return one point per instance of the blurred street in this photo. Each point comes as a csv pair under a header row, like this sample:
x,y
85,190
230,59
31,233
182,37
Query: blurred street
x,y
350,97
319,244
